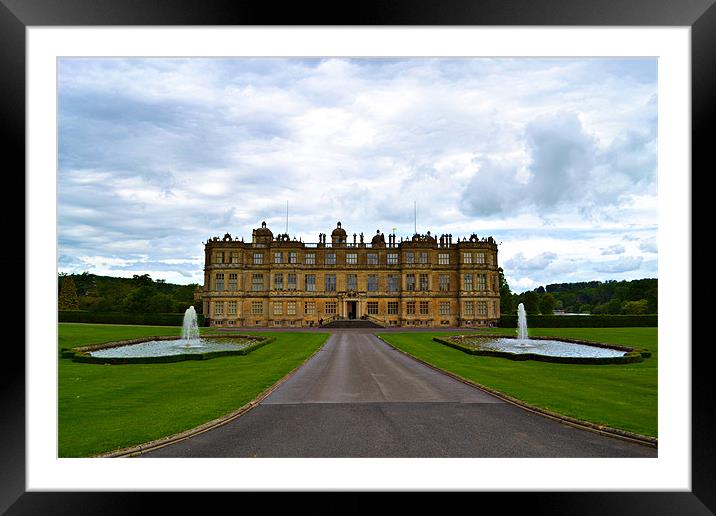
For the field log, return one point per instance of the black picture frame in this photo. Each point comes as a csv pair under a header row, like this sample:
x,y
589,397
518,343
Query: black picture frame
x,y
17,15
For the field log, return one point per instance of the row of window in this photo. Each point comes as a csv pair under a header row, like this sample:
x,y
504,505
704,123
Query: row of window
x,y
309,308
330,285
409,257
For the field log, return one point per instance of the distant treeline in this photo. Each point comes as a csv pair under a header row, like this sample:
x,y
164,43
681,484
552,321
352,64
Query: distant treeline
x,y
142,294
139,294
634,297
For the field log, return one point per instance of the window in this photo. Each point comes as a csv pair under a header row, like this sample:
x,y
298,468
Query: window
x,y
258,258
494,309
278,257
393,282
409,257
278,281
219,281
423,257
480,282
234,257
277,308
291,281
444,282
410,282
444,307
392,307
480,258
218,257
310,282
310,259
372,282
468,282
468,308
330,282
291,308
372,307
309,308
482,307
330,258
232,308
423,282
392,258
372,258
292,257
351,258
423,308
352,282
410,307
331,307
257,308
257,282
219,308
233,280
443,259
497,284
467,258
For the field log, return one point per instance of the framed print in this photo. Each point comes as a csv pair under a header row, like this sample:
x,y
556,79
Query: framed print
x,y
40,38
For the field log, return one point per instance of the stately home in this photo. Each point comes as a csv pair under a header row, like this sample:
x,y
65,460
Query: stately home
x,y
280,281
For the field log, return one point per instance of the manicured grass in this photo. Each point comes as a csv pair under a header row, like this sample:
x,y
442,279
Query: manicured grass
x,y
105,407
622,396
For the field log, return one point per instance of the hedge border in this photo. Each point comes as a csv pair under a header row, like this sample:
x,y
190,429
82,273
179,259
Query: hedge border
x,y
141,319
81,354
583,321
618,433
633,355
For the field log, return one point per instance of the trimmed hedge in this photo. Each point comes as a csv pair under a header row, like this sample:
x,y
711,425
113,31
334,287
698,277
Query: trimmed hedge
x,y
82,354
84,316
633,354
582,321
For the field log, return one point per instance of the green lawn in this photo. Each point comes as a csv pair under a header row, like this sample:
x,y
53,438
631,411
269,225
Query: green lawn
x,y
106,407
620,396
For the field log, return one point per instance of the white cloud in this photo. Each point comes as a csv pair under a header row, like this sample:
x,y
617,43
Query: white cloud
x,y
622,264
156,155
613,249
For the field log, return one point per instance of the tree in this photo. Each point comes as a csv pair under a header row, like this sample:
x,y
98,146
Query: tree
x,y
547,304
634,307
506,303
159,303
614,307
142,280
138,299
531,301
68,295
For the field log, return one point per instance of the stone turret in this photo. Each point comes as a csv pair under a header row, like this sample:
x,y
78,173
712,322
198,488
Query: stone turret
x,y
262,235
338,235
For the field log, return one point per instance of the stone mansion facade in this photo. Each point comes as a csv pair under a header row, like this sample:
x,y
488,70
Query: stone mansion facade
x,y
279,281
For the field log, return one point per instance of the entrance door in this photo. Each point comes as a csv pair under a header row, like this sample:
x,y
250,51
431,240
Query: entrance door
x,y
351,309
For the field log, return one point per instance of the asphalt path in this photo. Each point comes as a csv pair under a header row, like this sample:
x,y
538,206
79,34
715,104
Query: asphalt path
x,y
358,397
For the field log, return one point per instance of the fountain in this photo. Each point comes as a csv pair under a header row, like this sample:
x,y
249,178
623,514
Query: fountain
x,y
522,323
191,346
190,329
556,350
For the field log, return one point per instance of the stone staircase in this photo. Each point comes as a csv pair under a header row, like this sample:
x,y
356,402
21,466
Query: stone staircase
x,y
351,323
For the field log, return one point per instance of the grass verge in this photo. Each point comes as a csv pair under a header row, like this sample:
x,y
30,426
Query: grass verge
x,y
105,407
622,396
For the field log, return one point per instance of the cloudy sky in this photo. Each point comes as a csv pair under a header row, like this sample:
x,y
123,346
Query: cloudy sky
x,y
555,158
